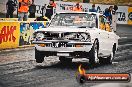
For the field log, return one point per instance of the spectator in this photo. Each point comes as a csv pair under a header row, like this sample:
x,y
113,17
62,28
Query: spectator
x,y
114,17
10,6
108,15
53,3
32,10
49,10
99,9
23,9
115,8
16,2
93,9
110,12
77,8
43,10
106,12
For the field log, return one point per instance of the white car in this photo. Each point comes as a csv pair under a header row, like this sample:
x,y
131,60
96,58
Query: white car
x,y
76,35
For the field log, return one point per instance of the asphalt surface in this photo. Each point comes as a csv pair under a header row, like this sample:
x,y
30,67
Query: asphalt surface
x,y
19,69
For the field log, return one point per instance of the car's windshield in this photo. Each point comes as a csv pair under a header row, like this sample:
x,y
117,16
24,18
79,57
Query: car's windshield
x,y
74,19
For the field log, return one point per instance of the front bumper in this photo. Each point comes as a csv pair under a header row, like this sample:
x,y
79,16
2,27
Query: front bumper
x,y
64,49
86,47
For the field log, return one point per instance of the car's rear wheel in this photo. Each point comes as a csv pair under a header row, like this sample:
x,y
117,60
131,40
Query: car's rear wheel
x,y
93,54
39,56
65,60
110,58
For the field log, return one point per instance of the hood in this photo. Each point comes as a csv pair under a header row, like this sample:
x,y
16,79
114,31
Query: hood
x,y
65,29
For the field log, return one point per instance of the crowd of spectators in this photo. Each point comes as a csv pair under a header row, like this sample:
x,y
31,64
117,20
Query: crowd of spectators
x,y
27,8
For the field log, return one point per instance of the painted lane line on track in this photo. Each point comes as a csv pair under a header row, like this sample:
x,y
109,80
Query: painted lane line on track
x,y
123,52
16,49
115,62
123,37
125,45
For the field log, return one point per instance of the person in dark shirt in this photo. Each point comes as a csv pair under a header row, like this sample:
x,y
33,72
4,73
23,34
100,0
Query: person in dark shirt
x,y
49,10
10,6
106,13
43,9
32,10
110,12
93,9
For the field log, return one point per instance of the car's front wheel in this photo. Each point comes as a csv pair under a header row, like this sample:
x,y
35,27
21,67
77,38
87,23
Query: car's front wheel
x,y
93,54
110,58
39,56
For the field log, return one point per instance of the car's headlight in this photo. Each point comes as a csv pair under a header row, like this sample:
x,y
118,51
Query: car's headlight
x,y
39,36
85,37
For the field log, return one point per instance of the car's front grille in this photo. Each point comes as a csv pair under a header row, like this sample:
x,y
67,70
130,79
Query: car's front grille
x,y
61,39
60,36
52,36
59,44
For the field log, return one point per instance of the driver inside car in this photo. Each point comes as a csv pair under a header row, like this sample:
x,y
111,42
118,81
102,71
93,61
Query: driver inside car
x,y
77,19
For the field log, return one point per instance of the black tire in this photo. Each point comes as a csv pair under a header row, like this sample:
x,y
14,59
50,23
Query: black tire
x,y
104,61
109,59
93,54
39,56
65,60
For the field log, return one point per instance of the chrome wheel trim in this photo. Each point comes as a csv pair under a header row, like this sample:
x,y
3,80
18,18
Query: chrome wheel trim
x,y
96,53
111,56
